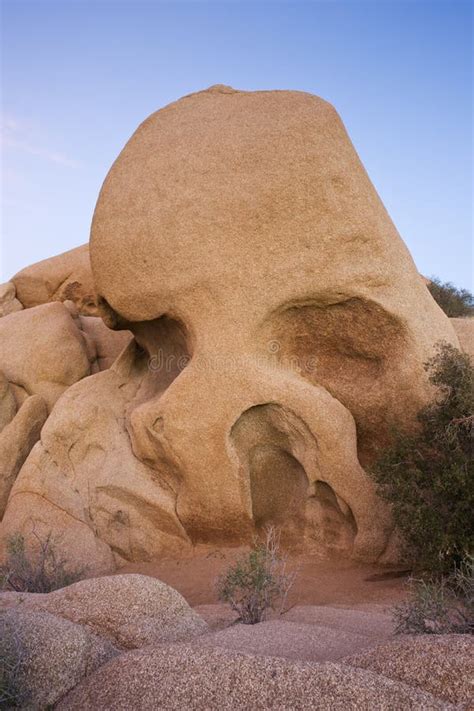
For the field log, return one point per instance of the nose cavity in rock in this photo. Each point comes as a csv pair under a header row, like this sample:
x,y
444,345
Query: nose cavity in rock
x,y
165,351
278,459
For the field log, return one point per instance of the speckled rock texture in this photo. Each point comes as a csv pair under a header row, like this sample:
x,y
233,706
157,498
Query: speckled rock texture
x,y
369,623
52,655
129,610
280,329
291,640
442,665
182,677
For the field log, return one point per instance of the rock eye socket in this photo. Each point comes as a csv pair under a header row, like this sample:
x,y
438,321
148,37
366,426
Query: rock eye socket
x,y
352,348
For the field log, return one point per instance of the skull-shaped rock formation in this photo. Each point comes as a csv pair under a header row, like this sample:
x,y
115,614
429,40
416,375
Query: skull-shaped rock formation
x,y
280,331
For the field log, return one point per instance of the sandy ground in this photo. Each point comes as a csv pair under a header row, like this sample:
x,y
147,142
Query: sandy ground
x,y
319,581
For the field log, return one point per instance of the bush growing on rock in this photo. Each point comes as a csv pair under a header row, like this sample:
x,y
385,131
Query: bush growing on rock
x,y
39,571
427,476
257,581
454,302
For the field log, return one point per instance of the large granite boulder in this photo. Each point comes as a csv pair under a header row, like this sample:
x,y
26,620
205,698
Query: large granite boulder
x,y
182,677
42,351
130,611
442,665
43,657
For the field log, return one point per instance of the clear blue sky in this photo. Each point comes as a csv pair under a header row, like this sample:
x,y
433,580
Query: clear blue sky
x,y
79,76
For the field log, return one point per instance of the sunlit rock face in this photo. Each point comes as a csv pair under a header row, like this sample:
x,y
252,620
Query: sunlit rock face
x,y
65,277
280,329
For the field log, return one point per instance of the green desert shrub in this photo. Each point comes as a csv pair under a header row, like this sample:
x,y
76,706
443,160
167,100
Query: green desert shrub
x,y
257,581
439,605
41,570
453,301
427,476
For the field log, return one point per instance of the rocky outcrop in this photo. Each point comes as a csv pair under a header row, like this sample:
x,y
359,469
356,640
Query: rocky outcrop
x,y
130,641
280,330
42,352
47,348
84,471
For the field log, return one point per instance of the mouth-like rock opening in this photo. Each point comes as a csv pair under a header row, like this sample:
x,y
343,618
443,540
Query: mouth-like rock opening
x,y
278,462
278,486
264,440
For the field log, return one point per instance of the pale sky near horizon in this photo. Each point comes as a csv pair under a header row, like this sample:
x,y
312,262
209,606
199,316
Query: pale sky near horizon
x,y
78,76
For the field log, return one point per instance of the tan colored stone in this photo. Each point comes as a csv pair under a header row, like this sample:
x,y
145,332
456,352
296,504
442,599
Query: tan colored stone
x,y
103,345
42,350
442,665
16,442
107,344
295,280
65,276
281,329
464,328
45,349
181,677
130,611
8,405
84,483
8,301
53,655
